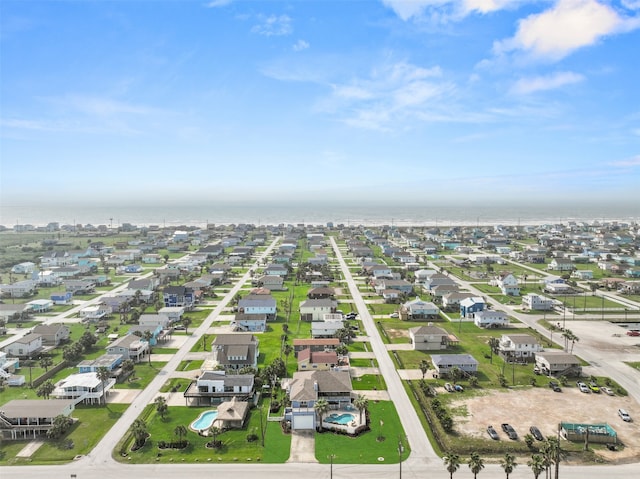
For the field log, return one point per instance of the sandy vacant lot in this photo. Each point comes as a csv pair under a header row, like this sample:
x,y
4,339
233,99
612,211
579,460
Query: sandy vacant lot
x,y
545,409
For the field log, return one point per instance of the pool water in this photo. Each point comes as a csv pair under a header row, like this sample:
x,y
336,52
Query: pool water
x,y
340,418
204,421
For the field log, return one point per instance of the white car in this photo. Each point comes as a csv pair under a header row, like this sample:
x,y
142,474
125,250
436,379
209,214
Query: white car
x,y
394,315
624,415
607,390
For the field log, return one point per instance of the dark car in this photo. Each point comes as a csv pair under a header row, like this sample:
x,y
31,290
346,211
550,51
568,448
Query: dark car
x,y
511,432
351,315
535,432
492,433
555,386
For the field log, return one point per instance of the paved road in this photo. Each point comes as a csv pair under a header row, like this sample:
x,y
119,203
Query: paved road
x,y
101,454
422,462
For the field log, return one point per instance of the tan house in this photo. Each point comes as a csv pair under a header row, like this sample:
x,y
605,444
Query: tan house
x,y
319,360
52,334
430,338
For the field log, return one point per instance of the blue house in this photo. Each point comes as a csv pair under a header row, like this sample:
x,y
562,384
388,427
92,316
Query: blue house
x,y
178,296
63,297
470,306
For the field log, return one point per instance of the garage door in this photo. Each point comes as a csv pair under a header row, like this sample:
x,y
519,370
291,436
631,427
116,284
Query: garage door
x,y
302,422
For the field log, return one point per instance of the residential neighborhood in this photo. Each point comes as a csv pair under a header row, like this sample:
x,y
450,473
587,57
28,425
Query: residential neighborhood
x,y
281,327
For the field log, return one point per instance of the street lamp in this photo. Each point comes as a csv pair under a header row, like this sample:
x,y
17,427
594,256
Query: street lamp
x,y
331,457
400,451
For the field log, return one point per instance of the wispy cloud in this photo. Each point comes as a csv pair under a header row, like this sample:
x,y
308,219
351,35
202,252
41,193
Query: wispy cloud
x,y
273,25
300,45
568,26
628,163
217,3
525,86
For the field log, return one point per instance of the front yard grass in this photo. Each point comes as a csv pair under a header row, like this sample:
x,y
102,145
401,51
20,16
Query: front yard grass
x,y
93,423
366,448
143,374
369,382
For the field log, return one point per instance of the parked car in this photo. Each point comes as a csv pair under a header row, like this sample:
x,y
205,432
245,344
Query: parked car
x,y
535,432
607,390
351,315
458,388
449,387
511,432
394,315
582,386
492,433
555,386
624,415
633,332
179,328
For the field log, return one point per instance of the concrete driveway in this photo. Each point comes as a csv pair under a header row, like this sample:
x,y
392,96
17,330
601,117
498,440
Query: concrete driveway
x,y
303,446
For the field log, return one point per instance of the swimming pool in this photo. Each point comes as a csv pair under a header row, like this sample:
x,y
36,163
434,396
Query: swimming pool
x,y
340,418
204,420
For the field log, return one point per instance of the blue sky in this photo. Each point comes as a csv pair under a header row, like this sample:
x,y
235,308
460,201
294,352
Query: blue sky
x,y
390,100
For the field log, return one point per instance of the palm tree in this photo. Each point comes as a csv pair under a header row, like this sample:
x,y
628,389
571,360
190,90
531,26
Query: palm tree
x,y
361,402
180,431
139,431
161,406
46,389
322,407
186,322
214,431
424,367
147,335
127,367
493,346
476,464
537,465
508,464
46,362
287,349
455,374
103,374
452,461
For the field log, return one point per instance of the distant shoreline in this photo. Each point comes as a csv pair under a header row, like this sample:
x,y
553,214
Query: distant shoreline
x,y
320,214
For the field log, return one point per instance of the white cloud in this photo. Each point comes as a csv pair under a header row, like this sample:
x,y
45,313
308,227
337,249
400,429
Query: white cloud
x,y
273,25
487,6
630,162
300,45
566,27
525,86
217,3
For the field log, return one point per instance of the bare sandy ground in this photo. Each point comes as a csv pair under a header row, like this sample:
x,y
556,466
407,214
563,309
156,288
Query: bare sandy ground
x,y
546,409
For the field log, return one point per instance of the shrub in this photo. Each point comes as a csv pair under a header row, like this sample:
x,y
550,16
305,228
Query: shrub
x,y
252,437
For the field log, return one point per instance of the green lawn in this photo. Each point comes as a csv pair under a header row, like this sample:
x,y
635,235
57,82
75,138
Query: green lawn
x,y
235,448
143,374
93,423
380,442
369,382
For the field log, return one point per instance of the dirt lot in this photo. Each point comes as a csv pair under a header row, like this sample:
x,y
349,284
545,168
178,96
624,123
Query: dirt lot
x,y
545,409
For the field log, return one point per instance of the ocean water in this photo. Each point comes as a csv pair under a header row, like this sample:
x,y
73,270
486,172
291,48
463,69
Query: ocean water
x,y
319,214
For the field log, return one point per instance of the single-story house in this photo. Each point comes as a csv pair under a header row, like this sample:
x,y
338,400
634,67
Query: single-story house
x,y
317,344
443,363
429,338
22,419
109,361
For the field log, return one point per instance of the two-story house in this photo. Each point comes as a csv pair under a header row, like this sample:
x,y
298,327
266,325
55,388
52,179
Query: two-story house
x,y
519,348
215,387
235,351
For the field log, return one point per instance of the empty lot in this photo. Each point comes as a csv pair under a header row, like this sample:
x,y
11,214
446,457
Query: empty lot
x,y
546,409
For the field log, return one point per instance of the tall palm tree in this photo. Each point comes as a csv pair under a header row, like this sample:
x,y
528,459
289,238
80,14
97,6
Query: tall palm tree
x,y
139,431
508,463
186,322
361,402
452,461
103,374
46,362
180,431
161,406
493,346
537,465
287,349
424,367
322,407
45,389
476,464
147,335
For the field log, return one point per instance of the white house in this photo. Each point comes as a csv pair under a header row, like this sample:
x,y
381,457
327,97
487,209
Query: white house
x,y
518,347
26,346
508,284
490,319
82,387
315,309
536,302
419,309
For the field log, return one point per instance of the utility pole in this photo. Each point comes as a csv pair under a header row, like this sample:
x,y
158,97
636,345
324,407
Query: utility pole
x,y
400,451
